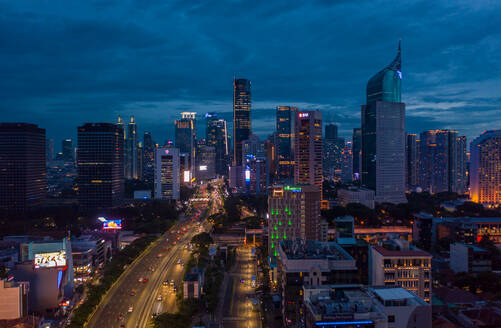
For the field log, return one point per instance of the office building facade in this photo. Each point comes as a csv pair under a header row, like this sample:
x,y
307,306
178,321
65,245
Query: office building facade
x,y
185,135
131,150
217,137
284,143
68,150
308,148
357,153
167,173
383,135
442,161
411,160
294,212
100,165
148,158
485,172
241,117
22,166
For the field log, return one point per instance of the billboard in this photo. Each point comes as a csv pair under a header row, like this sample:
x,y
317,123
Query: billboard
x,y
50,260
112,224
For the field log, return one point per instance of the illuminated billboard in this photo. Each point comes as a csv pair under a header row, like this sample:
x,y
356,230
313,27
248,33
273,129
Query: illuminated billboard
x,y
50,260
186,174
112,224
203,167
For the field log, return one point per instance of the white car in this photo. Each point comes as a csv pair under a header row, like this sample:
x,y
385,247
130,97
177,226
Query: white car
x,y
130,309
159,297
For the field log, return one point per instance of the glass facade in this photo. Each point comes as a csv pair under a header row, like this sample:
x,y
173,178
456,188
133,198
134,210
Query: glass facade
x,y
241,117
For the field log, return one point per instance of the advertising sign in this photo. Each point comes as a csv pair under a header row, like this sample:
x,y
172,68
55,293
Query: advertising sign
x,y
112,224
50,260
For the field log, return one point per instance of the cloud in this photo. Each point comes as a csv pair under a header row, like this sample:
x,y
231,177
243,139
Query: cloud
x,y
75,61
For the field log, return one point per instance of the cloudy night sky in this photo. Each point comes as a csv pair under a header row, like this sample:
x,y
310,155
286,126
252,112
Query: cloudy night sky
x,y
64,63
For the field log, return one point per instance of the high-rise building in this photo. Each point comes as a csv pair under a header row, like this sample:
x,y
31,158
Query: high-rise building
x,y
332,157
22,166
121,126
67,150
346,174
100,165
148,158
217,137
206,163
185,135
49,149
131,142
308,148
167,175
442,161
140,160
485,172
383,135
286,116
330,131
357,153
461,165
241,117
411,160
255,166
294,213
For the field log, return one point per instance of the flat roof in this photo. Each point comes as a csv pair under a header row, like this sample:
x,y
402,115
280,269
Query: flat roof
x,y
388,294
408,253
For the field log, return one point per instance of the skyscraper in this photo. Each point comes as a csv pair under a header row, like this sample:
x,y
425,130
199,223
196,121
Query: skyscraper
x,y
206,162
131,141
167,173
241,117
100,165
186,137
49,149
357,153
331,131
332,153
383,135
485,172
22,166
441,163
217,137
285,143
67,150
308,148
148,158
411,160
255,168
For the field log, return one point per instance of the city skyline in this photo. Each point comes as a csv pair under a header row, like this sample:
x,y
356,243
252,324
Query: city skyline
x,y
122,74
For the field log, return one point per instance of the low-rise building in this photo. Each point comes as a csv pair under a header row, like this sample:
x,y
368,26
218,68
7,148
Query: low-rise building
x,y
193,284
401,265
358,306
310,263
360,195
13,299
469,258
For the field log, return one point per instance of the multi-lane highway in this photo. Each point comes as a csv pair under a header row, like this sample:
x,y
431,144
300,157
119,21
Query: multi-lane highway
x,y
133,299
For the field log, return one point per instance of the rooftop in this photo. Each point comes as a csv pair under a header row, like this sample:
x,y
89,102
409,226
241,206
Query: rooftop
x,y
397,253
299,249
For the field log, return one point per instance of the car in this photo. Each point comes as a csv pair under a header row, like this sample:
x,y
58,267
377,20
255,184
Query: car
x,y
140,279
179,261
172,282
145,280
159,297
132,293
129,310
166,283
175,289
182,265
159,255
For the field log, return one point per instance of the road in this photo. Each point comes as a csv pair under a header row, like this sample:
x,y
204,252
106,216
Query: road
x,y
239,312
128,291
157,264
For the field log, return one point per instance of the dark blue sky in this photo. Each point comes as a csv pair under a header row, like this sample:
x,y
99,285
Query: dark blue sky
x,y
64,63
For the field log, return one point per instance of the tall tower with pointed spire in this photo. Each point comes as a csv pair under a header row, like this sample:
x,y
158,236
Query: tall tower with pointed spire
x,y
383,134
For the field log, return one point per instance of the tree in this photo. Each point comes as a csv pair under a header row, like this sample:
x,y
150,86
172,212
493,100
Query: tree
x,y
202,240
